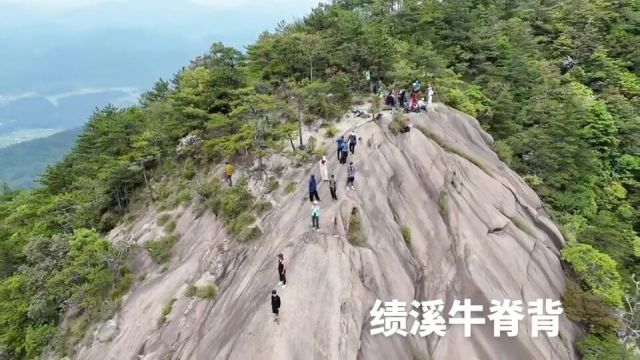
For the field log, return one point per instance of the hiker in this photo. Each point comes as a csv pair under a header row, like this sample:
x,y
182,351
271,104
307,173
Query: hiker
x,y
416,86
407,127
275,306
422,104
340,141
413,106
315,216
402,98
430,94
390,100
229,172
351,173
282,270
333,187
323,169
353,140
344,152
313,189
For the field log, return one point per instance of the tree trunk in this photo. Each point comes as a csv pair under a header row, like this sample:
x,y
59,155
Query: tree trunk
x,y
300,129
293,147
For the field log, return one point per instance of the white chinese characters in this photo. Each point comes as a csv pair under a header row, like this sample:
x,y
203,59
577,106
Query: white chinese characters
x,y
390,317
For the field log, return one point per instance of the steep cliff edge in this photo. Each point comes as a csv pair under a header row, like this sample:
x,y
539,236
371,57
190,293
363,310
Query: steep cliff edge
x,y
478,232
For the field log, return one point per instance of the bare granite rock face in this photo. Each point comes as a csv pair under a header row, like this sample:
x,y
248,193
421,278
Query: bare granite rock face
x,y
478,232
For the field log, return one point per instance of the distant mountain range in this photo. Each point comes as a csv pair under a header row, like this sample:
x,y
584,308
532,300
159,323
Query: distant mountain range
x,y
21,164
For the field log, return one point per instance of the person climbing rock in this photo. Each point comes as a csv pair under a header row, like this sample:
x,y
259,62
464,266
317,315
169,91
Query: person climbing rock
x,y
351,176
228,171
407,126
275,306
353,140
430,94
313,189
344,152
340,141
315,216
323,169
282,271
333,187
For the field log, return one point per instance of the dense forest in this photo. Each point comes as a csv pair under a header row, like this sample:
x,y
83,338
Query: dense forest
x,y
21,164
555,82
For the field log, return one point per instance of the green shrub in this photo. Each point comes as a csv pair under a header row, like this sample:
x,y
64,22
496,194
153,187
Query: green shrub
x,y
532,180
273,185
586,308
208,292
163,219
443,205
330,132
397,124
598,271
191,291
453,148
406,234
291,187
170,226
166,310
160,250
123,286
189,170
604,346
262,206
521,224
36,338
354,233
504,151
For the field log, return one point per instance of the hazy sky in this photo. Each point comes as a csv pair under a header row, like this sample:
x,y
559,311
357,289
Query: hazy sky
x,y
241,20
59,59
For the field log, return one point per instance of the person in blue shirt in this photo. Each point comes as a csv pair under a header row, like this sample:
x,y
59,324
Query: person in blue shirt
x,y
339,142
344,151
313,189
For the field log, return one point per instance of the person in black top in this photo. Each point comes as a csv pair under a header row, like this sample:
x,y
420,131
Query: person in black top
x,y
275,306
282,270
333,187
353,139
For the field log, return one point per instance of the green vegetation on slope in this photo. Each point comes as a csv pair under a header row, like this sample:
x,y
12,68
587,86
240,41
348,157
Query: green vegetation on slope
x,y
21,164
573,136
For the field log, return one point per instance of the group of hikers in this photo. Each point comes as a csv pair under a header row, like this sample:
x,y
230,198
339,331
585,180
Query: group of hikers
x,y
345,147
397,98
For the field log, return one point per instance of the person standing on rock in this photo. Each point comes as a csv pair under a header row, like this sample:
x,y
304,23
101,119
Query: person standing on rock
x,y
430,94
351,176
340,141
323,169
275,306
315,216
228,171
402,98
344,152
333,187
313,189
353,140
282,271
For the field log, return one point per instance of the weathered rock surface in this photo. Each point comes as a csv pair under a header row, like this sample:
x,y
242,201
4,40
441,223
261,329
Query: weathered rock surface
x,y
469,247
